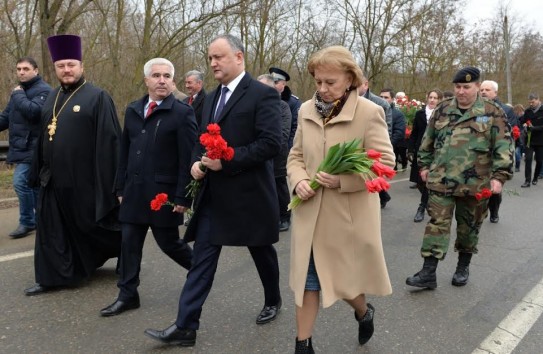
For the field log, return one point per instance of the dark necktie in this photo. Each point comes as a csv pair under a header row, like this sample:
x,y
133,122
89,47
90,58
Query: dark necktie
x,y
221,104
150,109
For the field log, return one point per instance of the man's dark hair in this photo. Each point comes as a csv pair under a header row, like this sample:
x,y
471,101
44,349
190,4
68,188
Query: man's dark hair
x,y
235,42
389,90
28,60
447,94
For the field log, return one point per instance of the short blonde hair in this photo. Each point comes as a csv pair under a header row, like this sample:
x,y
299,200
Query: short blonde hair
x,y
337,57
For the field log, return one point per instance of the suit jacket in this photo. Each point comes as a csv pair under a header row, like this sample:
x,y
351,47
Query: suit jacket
x,y
155,158
198,105
242,197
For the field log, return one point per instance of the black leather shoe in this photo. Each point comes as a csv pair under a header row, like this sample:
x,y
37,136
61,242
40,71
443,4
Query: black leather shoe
x,y
119,307
365,325
419,216
36,289
268,313
494,219
460,277
426,277
534,182
526,185
384,200
173,335
284,225
21,231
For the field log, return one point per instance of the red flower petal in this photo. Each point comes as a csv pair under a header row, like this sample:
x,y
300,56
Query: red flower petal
x,y
161,197
373,154
214,129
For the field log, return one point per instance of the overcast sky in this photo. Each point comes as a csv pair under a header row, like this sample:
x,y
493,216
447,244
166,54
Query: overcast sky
x,y
528,12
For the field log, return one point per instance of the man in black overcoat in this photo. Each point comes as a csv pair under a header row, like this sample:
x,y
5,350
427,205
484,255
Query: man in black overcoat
x,y
157,141
237,204
194,85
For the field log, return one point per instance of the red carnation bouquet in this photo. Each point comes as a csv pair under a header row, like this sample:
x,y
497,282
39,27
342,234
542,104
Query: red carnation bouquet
x,y
485,193
160,200
216,148
348,157
515,132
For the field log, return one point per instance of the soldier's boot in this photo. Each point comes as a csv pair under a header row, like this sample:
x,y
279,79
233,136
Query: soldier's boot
x,y
419,216
426,277
304,346
460,277
493,207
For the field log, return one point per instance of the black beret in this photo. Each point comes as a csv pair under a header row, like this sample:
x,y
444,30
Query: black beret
x,y
279,74
467,75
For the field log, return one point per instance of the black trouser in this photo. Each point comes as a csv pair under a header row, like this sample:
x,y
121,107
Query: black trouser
x,y
283,197
201,275
529,152
423,193
133,235
401,156
494,204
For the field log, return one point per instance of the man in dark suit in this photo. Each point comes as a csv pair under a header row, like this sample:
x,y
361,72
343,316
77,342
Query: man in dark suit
x,y
157,142
194,84
237,204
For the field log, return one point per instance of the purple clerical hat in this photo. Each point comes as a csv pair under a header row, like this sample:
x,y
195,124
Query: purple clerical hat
x,y
64,46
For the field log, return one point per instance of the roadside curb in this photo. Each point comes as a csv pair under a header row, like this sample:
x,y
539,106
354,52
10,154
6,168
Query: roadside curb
x,y
9,203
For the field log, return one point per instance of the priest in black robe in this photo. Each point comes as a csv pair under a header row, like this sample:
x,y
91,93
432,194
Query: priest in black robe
x,y
75,165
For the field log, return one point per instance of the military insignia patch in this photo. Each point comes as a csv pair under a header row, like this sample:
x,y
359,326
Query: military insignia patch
x,y
77,108
468,78
482,119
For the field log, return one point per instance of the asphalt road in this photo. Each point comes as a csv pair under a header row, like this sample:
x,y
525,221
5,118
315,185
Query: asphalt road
x,y
445,320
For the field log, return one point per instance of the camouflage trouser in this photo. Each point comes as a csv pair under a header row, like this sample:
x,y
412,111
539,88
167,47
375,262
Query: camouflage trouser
x,y
470,214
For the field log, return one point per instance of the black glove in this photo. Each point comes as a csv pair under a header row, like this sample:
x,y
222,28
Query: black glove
x,y
410,156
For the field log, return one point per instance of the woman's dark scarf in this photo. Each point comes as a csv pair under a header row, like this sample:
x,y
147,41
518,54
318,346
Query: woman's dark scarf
x,y
332,109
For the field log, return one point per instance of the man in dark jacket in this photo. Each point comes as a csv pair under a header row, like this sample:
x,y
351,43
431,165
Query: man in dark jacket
x,y
489,90
398,128
280,161
532,121
194,84
237,204
364,91
22,118
280,77
158,137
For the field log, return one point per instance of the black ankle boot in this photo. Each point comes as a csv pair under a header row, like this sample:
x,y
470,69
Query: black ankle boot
x,y
304,346
426,278
419,216
460,277
365,325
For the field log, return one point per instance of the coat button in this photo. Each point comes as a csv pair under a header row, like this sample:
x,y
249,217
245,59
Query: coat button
x,y
143,131
138,152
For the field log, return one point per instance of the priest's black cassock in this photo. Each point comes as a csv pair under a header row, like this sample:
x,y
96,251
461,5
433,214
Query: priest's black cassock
x,y
77,229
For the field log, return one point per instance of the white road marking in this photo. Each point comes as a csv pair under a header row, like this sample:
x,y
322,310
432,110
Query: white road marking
x,y
505,338
11,257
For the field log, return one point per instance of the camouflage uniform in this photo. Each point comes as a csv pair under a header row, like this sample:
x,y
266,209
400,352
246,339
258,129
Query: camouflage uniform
x,y
462,152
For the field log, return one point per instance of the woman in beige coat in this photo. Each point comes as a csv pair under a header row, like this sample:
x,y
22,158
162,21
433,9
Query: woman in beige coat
x,y
336,245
